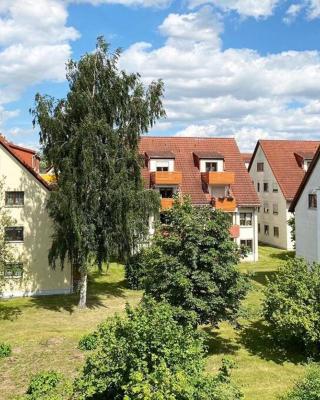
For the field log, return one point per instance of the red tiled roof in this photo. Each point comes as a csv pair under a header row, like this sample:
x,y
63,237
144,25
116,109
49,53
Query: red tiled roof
x,y
160,154
12,149
246,157
305,180
183,148
281,157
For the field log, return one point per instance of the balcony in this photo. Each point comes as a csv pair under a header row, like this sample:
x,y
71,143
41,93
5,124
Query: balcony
x,y
166,203
235,231
225,203
166,178
218,178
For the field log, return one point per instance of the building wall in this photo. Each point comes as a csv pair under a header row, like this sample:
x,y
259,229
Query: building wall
x,y
308,221
248,232
38,277
279,220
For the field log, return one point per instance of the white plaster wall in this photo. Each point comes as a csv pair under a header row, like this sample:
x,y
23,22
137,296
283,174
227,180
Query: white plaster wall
x,y
280,220
308,221
248,232
153,164
220,165
38,277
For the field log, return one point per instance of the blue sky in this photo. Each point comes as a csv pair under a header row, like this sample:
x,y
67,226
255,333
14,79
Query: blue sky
x,y
243,68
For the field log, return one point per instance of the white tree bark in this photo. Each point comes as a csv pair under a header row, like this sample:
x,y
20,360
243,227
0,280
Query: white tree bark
x,y
83,289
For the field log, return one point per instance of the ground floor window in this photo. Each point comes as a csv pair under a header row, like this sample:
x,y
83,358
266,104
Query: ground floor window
x,y
258,228
266,230
247,243
166,193
13,234
13,270
275,231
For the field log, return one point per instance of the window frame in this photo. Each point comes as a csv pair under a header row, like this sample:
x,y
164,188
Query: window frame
x,y
312,201
274,231
273,209
212,163
245,244
258,187
166,189
8,266
275,188
15,196
260,166
266,230
265,187
266,209
13,228
244,217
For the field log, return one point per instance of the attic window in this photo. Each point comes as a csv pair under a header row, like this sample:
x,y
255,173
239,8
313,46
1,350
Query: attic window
x,y
211,166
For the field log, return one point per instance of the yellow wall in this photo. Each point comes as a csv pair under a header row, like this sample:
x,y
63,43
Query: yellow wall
x,y
38,276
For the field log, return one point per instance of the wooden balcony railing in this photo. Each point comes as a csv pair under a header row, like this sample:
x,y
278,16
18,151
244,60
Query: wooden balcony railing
x,y
218,178
166,178
225,203
166,203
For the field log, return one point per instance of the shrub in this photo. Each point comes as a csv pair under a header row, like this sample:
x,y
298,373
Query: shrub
x,y
192,264
48,385
148,355
88,342
292,306
5,350
308,388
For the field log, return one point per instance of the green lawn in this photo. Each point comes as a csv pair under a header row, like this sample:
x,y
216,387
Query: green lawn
x,y
44,333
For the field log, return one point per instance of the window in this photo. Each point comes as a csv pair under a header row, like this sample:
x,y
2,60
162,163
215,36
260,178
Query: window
x,y
275,231
266,230
312,200
275,188
13,270
14,199
275,209
265,186
260,166
166,193
258,187
258,228
13,234
246,219
258,209
211,166
162,165
266,208
247,243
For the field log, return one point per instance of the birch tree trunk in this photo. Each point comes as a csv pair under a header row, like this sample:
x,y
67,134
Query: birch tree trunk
x,y
83,288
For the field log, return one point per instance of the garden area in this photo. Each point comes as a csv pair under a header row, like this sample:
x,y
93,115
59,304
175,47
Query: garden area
x,y
44,333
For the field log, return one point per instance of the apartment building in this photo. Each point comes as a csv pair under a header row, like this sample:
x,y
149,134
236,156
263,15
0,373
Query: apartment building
x,y
212,172
306,206
25,195
277,168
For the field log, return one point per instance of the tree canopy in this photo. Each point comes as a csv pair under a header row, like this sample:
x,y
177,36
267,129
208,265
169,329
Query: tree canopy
x,y
99,206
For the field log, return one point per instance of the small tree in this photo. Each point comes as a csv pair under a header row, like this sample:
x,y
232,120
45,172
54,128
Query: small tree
x,y
292,224
99,206
292,305
6,251
307,388
149,356
192,263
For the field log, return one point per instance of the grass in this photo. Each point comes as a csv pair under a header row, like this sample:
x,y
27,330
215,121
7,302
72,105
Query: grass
x,y
44,333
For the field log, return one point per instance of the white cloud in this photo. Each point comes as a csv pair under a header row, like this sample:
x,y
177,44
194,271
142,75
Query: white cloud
x,y
234,92
313,8
292,12
130,3
246,8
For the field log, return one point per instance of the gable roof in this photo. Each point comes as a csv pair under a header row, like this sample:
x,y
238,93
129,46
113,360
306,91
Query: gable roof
x,y
184,148
305,180
12,149
280,155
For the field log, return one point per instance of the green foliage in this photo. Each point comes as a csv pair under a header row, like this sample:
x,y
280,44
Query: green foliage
x,y
148,355
192,263
99,207
5,350
292,306
88,342
292,224
49,385
308,388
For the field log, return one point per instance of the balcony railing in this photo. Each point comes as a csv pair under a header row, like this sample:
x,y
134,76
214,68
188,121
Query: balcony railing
x,y
166,178
225,203
218,178
166,203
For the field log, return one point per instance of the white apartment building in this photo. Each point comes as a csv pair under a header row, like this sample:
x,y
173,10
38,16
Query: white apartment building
x,y
277,168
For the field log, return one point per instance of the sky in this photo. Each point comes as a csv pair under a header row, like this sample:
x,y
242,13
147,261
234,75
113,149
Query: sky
x,y
248,69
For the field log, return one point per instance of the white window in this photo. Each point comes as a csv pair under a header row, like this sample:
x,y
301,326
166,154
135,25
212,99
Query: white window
x,y
13,270
276,231
266,208
247,243
266,230
275,209
246,219
13,199
211,166
312,200
162,165
275,187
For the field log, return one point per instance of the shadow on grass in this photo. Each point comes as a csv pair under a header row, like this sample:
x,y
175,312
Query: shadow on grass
x,y
262,277
217,344
257,339
283,255
8,312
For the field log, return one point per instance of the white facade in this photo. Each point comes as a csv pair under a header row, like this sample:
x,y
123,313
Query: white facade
x,y
274,212
308,219
248,231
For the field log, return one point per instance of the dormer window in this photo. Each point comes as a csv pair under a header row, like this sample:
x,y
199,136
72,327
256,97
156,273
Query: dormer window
x,y
211,166
304,159
209,161
162,165
160,161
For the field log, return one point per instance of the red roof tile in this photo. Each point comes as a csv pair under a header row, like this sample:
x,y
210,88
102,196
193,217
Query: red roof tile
x,y
183,148
246,157
281,157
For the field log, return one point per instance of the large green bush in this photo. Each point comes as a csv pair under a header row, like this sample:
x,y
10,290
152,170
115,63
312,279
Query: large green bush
x,y
292,304
308,388
192,263
148,355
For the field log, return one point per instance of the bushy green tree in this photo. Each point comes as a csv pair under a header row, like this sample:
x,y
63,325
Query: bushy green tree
x,y
148,355
292,304
99,206
192,263
307,388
